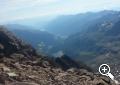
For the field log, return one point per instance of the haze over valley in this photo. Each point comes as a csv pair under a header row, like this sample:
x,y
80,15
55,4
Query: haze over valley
x,y
63,39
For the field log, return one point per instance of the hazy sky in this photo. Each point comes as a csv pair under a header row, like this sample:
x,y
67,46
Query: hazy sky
x,y
21,9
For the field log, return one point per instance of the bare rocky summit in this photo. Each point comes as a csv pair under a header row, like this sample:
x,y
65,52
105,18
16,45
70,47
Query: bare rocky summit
x,y
21,65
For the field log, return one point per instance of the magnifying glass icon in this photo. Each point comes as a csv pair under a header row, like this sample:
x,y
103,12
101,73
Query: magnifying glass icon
x,y
104,69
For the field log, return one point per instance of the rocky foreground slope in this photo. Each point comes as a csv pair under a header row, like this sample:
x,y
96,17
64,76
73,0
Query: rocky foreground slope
x,y
20,65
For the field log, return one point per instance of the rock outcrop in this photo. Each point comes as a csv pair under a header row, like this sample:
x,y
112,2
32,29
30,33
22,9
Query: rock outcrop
x,y
20,65
65,63
9,44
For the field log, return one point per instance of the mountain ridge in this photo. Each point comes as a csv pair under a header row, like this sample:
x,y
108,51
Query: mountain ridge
x,y
26,68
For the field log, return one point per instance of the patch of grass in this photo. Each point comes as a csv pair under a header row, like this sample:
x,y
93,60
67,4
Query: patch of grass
x,y
87,54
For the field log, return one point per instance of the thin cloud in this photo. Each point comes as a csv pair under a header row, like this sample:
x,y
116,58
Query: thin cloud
x,y
20,9
11,5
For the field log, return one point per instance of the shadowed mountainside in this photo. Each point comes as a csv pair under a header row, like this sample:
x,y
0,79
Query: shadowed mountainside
x,y
22,66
